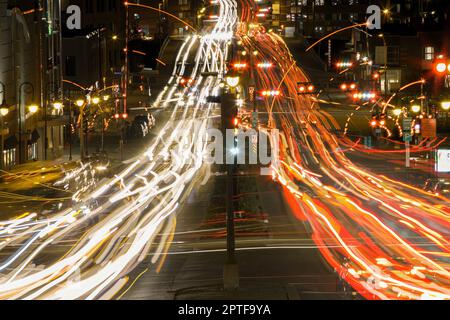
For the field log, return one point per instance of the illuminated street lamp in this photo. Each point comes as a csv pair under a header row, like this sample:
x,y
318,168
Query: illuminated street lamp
x,y
397,112
445,105
33,108
58,106
95,100
26,88
4,110
415,108
79,103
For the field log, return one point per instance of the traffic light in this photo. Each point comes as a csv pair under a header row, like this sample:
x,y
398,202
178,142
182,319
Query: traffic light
x,y
442,66
306,88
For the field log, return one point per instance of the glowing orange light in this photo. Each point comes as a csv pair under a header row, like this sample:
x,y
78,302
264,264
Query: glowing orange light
x,y
441,67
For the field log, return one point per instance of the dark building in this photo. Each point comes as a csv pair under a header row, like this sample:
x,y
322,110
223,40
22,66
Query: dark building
x,y
413,34
108,28
95,52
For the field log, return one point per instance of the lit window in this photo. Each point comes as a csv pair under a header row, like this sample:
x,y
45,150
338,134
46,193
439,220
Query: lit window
x,y
9,158
32,151
429,53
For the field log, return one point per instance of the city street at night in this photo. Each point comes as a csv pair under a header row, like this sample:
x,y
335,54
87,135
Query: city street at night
x,y
225,150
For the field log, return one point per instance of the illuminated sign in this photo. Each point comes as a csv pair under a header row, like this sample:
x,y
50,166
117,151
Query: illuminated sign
x,y
443,160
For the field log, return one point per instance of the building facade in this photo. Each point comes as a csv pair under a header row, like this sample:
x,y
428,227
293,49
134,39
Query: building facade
x,y
31,75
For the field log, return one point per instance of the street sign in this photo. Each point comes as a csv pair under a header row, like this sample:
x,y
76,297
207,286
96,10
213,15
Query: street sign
x,y
407,123
251,93
429,128
443,160
407,137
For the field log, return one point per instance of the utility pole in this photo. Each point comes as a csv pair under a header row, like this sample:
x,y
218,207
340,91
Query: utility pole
x,y
408,155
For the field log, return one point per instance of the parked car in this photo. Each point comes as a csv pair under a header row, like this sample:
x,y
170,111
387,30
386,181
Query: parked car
x,y
141,125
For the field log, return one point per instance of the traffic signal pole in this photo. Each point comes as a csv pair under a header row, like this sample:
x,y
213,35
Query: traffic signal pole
x,y
231,268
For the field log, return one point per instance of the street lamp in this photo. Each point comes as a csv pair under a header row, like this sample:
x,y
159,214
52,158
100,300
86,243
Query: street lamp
x,y
445,105
58,106
50,88
33,108
79,103
397,112
95,100
4,110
